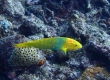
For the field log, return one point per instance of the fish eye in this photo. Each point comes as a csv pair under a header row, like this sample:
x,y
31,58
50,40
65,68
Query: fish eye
x,y
76,45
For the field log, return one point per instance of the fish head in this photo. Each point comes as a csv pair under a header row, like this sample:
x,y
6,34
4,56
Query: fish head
x,y
72,44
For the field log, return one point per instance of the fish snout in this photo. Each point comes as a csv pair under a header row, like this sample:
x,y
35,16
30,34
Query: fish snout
x,y
80,46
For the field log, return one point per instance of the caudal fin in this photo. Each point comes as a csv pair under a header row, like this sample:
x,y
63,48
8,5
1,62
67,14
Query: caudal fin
x,y
20,45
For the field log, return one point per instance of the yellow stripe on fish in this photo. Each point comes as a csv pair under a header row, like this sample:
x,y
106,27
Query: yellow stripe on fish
x,y
54,43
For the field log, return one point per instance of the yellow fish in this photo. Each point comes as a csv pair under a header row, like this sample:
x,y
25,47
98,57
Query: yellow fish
x,y
54,43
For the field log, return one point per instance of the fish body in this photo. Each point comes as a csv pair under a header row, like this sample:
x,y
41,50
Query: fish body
x,y
54,43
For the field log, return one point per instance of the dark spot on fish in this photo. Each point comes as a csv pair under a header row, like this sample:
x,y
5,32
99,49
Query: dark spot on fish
x,y
76,45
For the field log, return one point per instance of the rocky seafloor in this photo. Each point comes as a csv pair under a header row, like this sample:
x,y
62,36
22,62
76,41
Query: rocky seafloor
x,y
87,21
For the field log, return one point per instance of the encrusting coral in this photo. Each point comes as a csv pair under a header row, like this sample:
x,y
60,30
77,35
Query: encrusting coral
x,y
26,57
91,72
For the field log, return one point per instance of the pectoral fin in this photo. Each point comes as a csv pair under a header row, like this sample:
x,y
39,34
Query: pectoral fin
x,y
65,50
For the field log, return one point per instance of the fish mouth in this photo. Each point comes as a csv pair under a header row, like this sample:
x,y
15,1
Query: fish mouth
x,y
80,46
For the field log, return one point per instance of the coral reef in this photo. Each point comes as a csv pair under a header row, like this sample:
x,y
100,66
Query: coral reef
x,y
26,57
18,56
26,77
97,73
5,27
32,25
87,21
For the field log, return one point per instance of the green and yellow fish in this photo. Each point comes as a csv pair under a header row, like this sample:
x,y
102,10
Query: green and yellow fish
x,y
54,43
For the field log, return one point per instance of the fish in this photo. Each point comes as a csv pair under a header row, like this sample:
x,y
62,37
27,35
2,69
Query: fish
x,y
54,43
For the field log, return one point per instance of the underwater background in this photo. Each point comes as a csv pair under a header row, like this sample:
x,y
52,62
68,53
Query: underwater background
x,y
87,21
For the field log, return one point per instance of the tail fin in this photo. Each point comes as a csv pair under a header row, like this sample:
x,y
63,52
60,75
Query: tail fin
x,y
20,45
